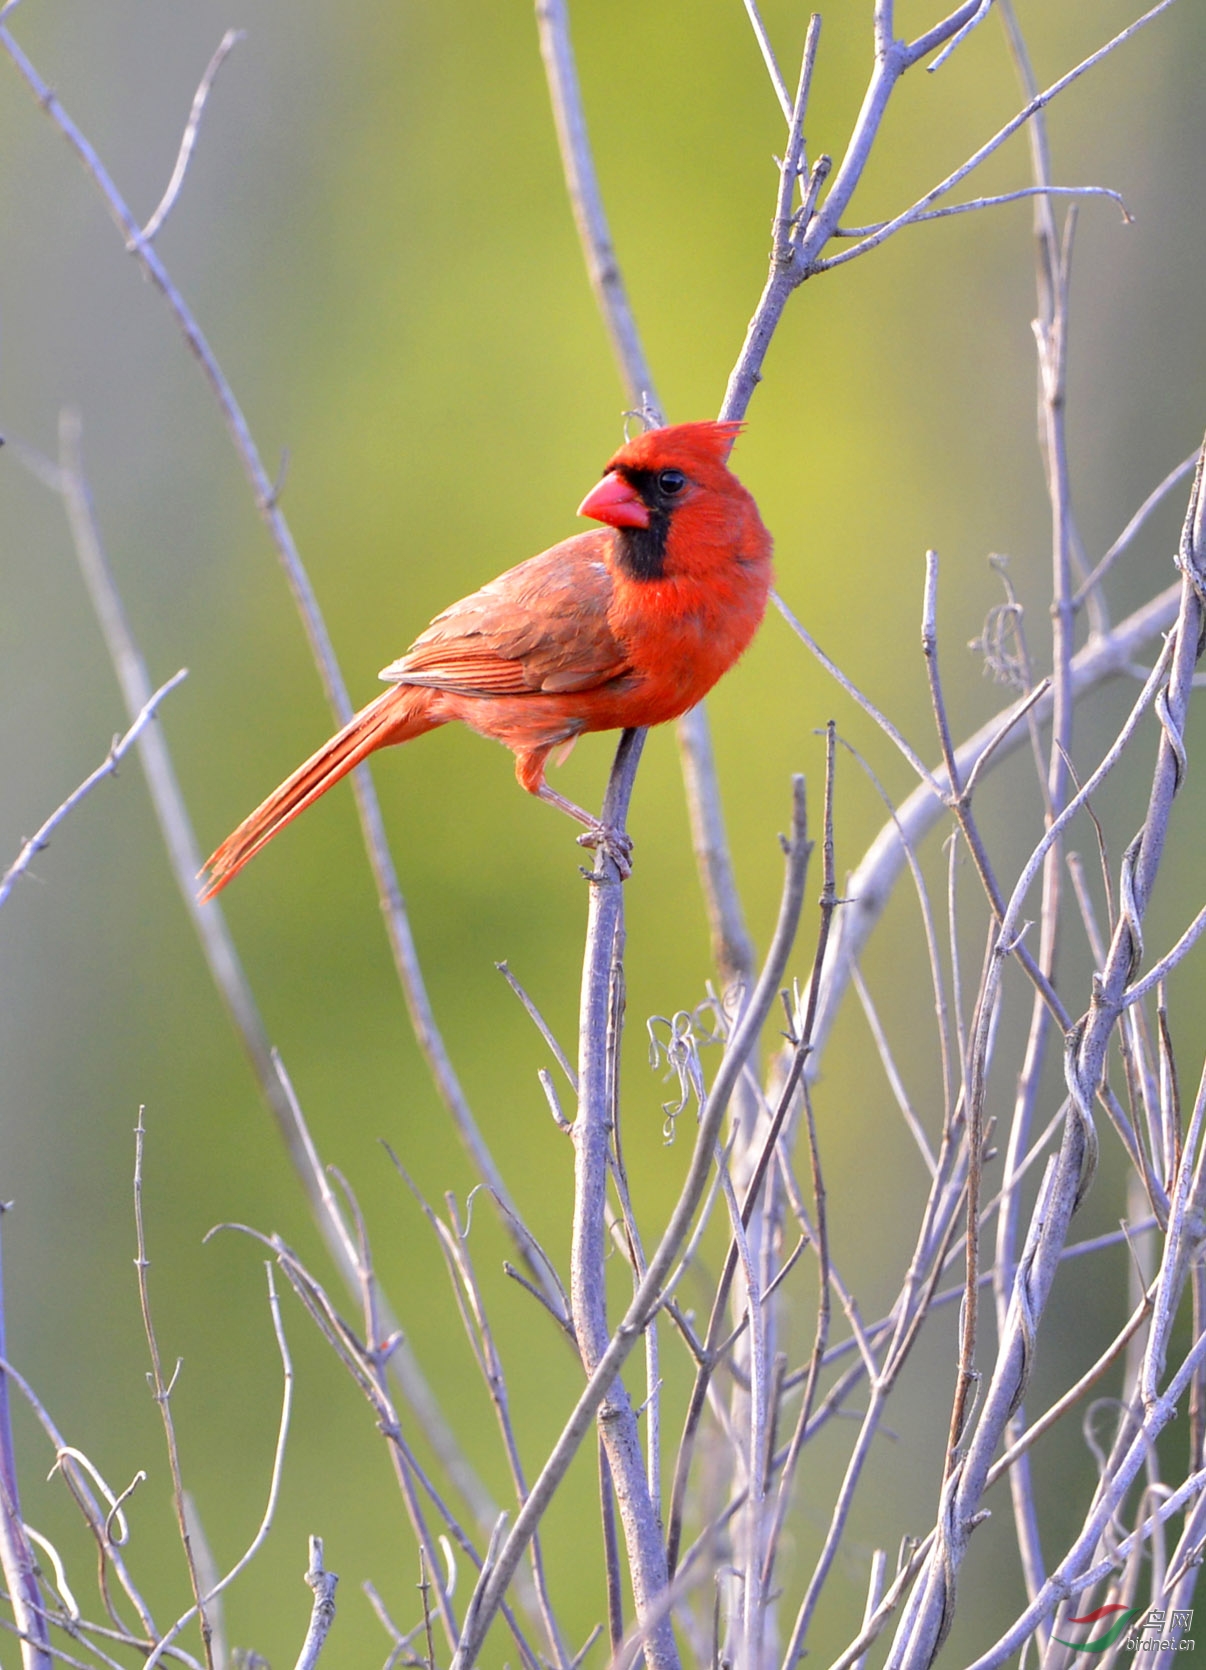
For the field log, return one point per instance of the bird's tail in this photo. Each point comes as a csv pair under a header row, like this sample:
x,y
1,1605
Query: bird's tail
x,y
397,715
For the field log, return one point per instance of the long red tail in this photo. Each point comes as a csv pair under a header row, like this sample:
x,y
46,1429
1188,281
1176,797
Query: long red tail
x,y
397,715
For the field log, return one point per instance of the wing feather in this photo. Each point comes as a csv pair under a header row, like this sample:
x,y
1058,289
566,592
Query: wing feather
x,y
540,627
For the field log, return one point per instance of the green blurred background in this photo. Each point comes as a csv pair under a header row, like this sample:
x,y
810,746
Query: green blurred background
x,y
375,236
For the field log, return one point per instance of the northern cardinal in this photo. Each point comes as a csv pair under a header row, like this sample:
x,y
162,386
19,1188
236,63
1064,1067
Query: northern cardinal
x,y
624,626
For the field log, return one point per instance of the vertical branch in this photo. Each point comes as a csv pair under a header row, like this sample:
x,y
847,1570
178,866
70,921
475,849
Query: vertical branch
x,y
161,1390
632,1246
650,1295
829,903
611,1553
1051,337
17,1560
928,1618
321,1583
732,947
752,1459
972,1102
598,1043
798,853
590,217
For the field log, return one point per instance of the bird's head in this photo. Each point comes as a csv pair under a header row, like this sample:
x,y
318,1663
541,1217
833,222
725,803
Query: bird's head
x,y
660,477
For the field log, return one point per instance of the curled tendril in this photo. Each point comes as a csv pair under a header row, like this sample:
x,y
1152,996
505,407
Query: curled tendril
x,y
116,1518
680,1052
1002,642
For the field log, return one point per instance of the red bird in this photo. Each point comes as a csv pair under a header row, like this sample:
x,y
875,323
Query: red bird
x,y
625,626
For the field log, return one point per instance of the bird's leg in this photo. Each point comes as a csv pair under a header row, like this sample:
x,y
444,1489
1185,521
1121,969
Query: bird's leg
x,y
529,769
614,842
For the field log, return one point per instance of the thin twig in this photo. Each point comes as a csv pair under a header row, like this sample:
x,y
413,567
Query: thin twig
x,y
769,59
937,981
1134,527
542,1026
892,1074
120,747
885,724
161,1390
203,1600
229,41
957,40
829,903
611,1551
993,202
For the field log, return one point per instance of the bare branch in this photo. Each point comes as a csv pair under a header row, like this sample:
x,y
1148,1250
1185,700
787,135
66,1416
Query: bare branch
x,y
856,695
204,1600
1135,526
607,281
225,968
1039,102
961,35
322,1614
994,202
871,884
542,1026
598,1064
769,59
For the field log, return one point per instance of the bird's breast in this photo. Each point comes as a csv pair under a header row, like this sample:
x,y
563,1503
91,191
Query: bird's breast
x,y
680,635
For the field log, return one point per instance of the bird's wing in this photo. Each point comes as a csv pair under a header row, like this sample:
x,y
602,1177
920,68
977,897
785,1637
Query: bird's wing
x,y
540,627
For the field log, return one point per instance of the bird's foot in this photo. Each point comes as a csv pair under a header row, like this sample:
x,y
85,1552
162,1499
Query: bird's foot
x,y
613,843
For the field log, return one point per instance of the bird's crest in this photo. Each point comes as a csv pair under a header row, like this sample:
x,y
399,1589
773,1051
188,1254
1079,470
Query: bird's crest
x,y
679,443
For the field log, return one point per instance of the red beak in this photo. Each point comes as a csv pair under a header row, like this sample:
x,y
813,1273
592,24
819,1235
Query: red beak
x,y
617,502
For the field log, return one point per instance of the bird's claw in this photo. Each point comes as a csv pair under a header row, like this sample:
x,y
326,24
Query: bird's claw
x,y
613,843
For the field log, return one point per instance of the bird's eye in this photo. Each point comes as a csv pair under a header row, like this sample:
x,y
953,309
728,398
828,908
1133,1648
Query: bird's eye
x,y
671,482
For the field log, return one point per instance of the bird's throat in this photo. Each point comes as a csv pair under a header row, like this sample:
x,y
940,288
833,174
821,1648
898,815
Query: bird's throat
x,y
642,551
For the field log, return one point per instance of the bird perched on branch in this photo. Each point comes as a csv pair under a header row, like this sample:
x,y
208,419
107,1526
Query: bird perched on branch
x,y
624,626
